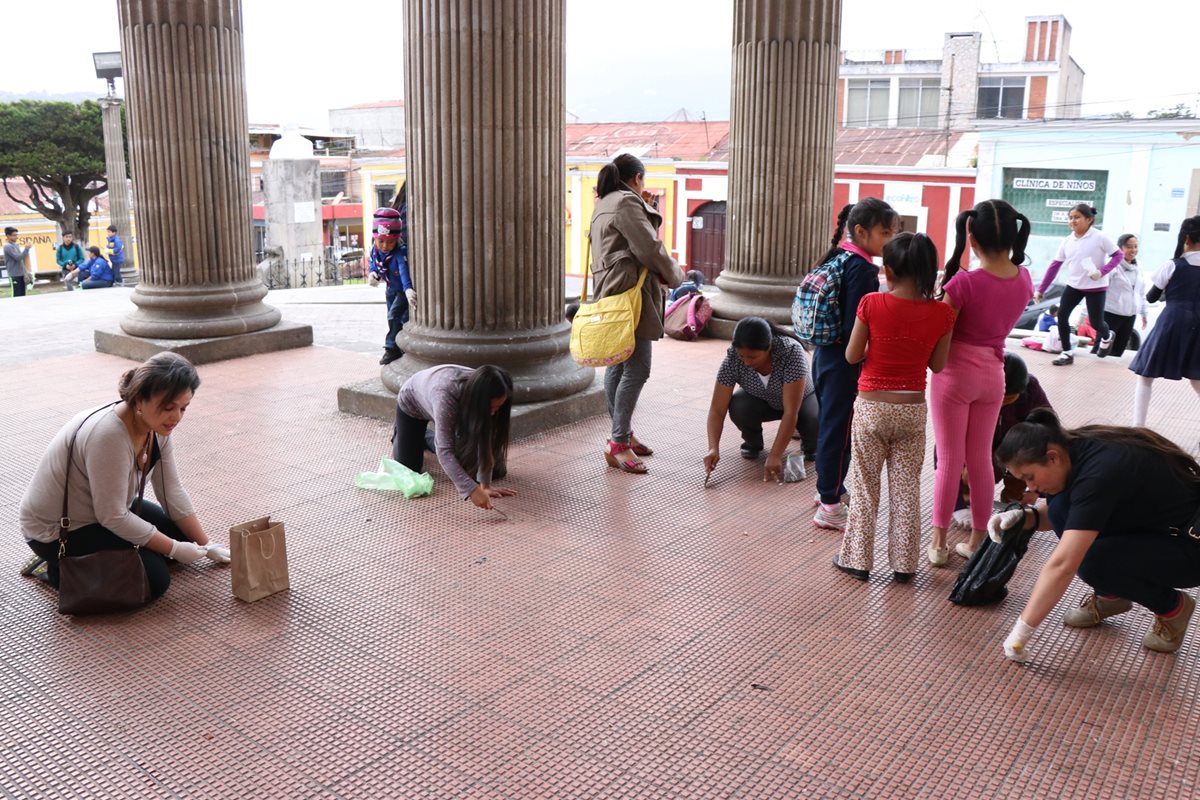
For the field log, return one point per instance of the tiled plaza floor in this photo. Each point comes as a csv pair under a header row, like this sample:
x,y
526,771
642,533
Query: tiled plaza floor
x,y
616,636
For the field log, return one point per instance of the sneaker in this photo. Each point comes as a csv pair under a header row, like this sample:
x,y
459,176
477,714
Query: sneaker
x,y
31,565
1093,609
938,556
964,550
1106,344
1063,360
750,452
831,518
845,498
390,354
1166,635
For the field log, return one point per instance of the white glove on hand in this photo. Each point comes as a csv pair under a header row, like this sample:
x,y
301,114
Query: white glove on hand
x,y
411,294
1014,645
1094,274
373,279
186,552
1002,522
218,553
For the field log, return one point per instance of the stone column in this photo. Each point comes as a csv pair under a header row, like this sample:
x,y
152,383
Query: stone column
x,y
118,182
189,145
781,138
484,122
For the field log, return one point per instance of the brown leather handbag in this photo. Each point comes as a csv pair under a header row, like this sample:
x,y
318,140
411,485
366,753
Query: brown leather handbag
x,y
103,582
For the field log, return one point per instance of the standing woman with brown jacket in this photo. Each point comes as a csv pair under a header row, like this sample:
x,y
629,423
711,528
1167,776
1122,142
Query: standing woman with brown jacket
x,y
624,239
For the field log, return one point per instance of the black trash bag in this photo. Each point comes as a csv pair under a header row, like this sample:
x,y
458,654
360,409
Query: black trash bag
x,y
983,580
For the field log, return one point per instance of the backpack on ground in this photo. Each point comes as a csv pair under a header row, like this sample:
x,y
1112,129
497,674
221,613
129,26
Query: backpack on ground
x,y
816,310
686,317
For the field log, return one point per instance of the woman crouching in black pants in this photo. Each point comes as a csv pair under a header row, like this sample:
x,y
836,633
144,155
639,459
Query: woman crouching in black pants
x,y
1122,502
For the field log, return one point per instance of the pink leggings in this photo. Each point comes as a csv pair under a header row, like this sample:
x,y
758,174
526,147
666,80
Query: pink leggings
x,y
965,400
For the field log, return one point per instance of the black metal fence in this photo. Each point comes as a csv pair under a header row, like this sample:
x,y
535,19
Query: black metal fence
x,y
330,269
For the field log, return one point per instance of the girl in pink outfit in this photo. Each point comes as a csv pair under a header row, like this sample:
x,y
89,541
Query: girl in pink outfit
x,y
1089,256
965,397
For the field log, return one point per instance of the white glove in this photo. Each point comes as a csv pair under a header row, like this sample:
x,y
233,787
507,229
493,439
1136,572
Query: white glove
x,y
1014,645
373,279
1094,274
411,294
187,552
1002,522
218,553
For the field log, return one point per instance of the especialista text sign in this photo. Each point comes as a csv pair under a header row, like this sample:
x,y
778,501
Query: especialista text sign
x,y
1047,195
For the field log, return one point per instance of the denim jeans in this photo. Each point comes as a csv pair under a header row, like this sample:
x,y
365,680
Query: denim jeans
x,y
397,314
623,385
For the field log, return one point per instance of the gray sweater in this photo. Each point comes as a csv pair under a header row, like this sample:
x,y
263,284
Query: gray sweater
x,y
433,394
103,482
14,259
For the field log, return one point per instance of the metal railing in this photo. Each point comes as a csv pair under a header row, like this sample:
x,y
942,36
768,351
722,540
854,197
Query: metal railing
x,y
331,268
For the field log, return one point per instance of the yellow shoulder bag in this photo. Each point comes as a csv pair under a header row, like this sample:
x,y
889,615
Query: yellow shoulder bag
x,y
602,332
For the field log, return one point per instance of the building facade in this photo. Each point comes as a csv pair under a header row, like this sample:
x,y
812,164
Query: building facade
x,y
957,88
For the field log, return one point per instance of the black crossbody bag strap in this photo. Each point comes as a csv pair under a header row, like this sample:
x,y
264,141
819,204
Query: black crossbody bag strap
x,y
64,522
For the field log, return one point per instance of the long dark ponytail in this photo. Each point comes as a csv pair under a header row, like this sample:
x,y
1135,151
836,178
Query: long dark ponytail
x,y
618,173
868,212
997,228
1189,231
1027,442
481,440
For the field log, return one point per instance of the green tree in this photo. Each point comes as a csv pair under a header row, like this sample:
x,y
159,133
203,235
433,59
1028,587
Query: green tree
x,y
1179,111
57,149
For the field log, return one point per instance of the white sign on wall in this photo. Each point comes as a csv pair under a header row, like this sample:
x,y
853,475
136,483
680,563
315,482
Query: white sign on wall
x,y
304,212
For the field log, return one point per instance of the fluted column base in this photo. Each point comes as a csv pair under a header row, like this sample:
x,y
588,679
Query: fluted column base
x,y
196,312
539,360
743,295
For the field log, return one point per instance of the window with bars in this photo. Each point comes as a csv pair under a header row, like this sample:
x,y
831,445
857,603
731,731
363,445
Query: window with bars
x,y
867,103
1000,98
919,98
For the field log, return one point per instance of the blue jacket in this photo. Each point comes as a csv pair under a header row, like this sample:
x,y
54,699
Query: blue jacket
x,y
64,254
684,288
116,249
392,268
96,269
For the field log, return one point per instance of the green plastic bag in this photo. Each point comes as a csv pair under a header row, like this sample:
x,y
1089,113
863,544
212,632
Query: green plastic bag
x,y
395,477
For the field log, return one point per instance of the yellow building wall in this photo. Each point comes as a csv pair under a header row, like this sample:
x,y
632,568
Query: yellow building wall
x,y
41,234
580,177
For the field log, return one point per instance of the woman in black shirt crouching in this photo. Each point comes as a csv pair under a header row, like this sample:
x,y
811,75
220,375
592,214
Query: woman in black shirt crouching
x,y
1123,503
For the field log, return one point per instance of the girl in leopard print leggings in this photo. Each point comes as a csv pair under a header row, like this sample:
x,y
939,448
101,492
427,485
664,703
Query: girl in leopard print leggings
x,y
898,334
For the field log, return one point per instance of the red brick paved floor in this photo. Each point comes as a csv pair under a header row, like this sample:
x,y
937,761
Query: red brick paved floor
x,y
617,636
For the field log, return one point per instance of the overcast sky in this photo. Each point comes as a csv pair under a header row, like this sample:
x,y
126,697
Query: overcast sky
x,y
626,59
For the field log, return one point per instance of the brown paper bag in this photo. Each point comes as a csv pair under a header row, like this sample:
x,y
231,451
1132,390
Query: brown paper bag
x,y
258,559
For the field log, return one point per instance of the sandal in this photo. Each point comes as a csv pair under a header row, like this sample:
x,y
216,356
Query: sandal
x,y
633,465
638,448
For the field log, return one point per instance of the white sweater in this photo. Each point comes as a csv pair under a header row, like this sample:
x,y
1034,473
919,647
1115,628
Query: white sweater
x,y
1126,291
103,482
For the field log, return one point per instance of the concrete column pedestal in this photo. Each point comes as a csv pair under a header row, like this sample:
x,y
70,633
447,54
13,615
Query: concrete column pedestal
x,y
781,140
183,67
486,193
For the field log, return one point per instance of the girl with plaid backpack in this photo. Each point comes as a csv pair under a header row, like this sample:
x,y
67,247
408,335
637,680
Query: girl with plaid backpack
x,y
867,226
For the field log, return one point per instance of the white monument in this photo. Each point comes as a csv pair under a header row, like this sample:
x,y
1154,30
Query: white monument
x,y
292,185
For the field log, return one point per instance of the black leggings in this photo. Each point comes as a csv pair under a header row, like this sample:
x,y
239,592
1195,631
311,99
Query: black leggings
x,y
1095,309
408,441
411,438
1145,568
1122,329
95,537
